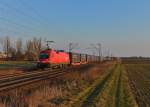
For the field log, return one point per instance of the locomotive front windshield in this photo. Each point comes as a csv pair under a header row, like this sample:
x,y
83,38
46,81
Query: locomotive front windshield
x,y
44,56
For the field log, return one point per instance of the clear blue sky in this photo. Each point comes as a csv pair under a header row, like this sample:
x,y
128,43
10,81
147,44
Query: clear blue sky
x,y
121,26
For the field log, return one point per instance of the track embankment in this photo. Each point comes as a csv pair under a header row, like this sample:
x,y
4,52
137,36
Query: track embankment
x,y
110,90
14,80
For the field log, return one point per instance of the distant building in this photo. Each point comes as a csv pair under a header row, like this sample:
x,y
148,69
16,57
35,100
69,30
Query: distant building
x,y
2,55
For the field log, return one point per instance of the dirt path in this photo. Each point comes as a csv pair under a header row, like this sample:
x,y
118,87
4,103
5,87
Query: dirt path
x,y
89,101
112,90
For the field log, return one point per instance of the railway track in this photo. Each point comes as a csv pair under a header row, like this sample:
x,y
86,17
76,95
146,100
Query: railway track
x,y
11,81
17,80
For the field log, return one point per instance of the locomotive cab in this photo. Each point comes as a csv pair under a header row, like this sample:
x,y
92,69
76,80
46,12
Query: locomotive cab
x,y
44,56
44,59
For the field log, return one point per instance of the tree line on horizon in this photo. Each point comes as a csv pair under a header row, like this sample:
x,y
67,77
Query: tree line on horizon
x,y
21,50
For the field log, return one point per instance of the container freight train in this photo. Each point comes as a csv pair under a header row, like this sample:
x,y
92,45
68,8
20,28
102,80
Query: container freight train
x,y
52,58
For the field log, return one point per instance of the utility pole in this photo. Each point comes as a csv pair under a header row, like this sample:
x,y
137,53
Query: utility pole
x,y
98,48
7,47
70,47
99,51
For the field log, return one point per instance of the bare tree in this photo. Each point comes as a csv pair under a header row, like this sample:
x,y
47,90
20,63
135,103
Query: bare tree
x,y
6,44
37,46
16,50
19,49
29,50
33,48
12,53
8,47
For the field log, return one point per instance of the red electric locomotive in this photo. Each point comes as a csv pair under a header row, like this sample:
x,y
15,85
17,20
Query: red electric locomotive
x,y
53,58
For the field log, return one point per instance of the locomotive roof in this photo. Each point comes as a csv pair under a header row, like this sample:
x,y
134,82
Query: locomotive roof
x,y
48,50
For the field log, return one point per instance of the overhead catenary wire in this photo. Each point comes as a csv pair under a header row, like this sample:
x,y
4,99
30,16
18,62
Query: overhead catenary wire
x,y
30,29
20,12
39,16
23,3
6,30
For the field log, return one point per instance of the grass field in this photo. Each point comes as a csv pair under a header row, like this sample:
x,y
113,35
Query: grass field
x,y
110,90
16,64
111,84
62,92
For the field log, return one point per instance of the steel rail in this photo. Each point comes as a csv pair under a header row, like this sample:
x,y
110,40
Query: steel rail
x,y
9,83
22,73
13,81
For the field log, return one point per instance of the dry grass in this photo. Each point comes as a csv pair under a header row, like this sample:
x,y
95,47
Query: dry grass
x,y
56,94
2,105
10,72
39,97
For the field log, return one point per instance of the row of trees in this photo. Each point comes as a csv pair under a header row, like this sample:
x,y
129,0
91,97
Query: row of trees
x,y
19,50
